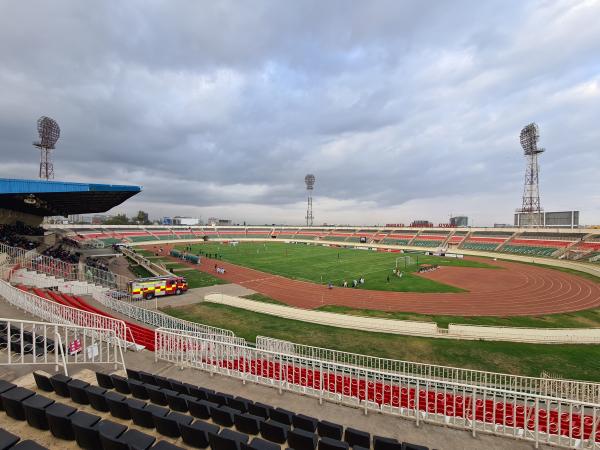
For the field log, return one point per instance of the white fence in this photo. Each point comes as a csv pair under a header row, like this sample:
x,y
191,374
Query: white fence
x,y
519,334
24,342
69,272
56,313
541,419
155,318
566,389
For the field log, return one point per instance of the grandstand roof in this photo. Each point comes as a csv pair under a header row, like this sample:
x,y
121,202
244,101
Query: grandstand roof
x,y
60,198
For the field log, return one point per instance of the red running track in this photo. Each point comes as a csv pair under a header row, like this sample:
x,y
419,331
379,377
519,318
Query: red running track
x,y
515,290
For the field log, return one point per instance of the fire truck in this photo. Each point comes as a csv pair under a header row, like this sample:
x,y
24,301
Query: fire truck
x,y
147,288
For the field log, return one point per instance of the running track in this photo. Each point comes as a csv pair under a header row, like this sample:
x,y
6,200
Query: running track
x,y
518,290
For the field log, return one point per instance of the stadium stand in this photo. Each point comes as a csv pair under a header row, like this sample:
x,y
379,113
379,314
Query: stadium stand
x,y
258,233
14,236
430,238
398,237
231,233
138,410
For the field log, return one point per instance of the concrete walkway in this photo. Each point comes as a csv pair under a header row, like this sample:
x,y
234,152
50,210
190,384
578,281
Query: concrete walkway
x,y
197,295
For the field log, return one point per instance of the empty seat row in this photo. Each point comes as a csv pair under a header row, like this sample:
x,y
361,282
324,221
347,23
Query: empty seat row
x,y
68,423
275,424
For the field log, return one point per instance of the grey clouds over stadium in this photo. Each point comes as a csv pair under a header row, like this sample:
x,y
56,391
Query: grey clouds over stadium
x,y
220,108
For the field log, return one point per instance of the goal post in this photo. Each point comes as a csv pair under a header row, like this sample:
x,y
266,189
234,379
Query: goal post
x,y
404,261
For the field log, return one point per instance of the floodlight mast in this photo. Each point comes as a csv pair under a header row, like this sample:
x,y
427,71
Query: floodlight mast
x,y
309,180
531,206
49,132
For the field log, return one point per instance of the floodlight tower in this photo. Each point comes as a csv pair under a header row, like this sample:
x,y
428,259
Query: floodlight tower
x,y
49,132
531,191
310,184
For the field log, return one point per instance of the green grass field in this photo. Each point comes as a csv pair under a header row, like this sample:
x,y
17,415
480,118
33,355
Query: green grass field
x,y
320,264
570,361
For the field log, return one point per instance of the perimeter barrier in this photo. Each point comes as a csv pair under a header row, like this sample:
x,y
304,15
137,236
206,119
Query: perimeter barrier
x,y
25,342
61,314
567,389
479,409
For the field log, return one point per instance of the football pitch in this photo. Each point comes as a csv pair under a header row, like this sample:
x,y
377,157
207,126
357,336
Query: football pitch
x,y
319,264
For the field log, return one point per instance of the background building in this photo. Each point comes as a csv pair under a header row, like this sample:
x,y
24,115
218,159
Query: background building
x,y
459,221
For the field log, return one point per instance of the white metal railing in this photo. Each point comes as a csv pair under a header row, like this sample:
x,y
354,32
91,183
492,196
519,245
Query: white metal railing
x,y
56,313
155,318
68,271
567,389
521,415
24,342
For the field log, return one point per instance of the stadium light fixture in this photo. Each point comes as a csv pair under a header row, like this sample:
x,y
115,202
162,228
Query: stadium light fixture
x,y
49,132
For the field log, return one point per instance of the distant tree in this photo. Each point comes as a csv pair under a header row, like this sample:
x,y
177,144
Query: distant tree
x,y
142,218
119,219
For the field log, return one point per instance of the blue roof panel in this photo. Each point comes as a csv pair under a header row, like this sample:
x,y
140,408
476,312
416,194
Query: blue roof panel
x,y
15,186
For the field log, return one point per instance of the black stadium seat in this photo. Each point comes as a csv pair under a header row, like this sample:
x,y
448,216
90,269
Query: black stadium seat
x,y
85,429
156,394
7,439
384,443
222,443
356,437
138,389
164,445
110,429
201,408
129,440
42,381
59,421
239,403
222,415
120,383
247,423
12,400
274,431
35,411
146,377
306,423
260,444
259,409
96,398
117,406
28,445
133,374
168,425
77,391
408,446
302,440
179,402
196,434
330,430
242,438
104,380
59,383
326,443
281,415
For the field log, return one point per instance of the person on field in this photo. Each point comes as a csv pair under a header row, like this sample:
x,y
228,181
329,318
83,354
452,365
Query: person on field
x,y
330,285
354,283
362,280
345,283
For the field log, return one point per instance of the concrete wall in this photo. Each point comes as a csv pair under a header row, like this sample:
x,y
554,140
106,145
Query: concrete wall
x,y
413,328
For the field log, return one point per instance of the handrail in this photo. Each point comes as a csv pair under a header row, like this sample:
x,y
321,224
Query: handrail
x,y
504,411
56,313
27,342
60,351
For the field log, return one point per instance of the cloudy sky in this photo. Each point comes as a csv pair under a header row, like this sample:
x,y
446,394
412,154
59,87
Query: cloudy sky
x,y
219,108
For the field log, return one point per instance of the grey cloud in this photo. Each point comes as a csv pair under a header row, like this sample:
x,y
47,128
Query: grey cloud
x,y
216,105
